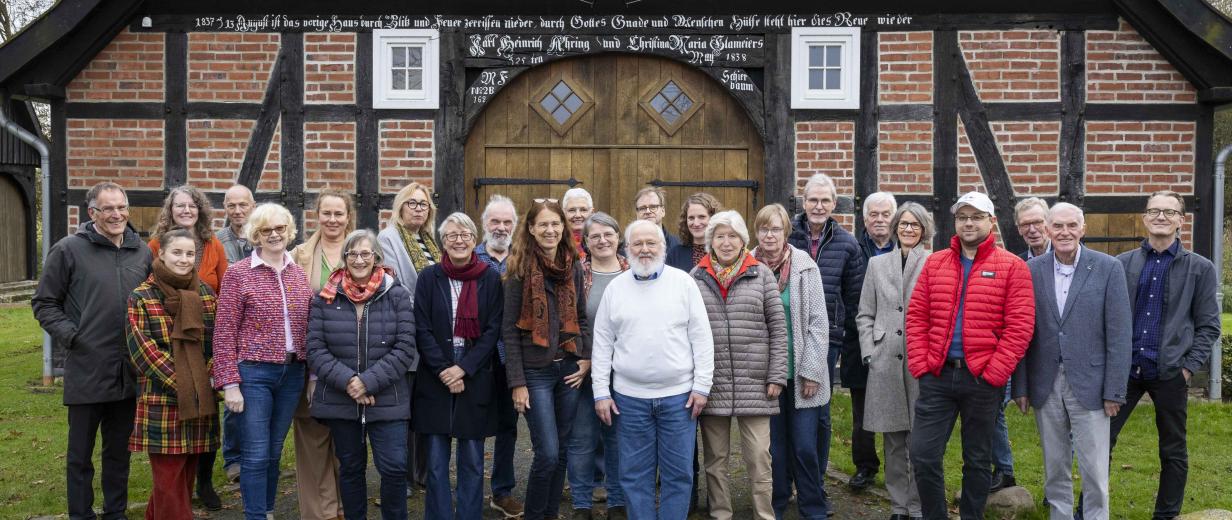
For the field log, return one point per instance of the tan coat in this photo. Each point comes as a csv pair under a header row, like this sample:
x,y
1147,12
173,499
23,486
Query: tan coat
x,y
890,399
750,342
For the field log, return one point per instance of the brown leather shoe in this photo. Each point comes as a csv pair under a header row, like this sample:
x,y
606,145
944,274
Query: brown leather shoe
x,y
508,506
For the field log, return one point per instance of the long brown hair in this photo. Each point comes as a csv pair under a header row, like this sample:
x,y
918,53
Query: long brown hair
x,y
202,231
524,246
702,199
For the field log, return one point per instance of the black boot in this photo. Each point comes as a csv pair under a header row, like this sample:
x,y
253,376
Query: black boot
x,y
205,482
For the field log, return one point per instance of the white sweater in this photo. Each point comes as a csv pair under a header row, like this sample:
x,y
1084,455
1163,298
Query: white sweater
x,y
654,336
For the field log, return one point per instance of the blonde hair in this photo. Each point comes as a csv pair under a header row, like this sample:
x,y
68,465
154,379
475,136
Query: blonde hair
x,y
262,216
764,215
404,195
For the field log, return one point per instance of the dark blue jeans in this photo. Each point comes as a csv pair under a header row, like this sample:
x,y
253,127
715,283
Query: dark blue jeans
x,y
956,393
438,504
824,431
503,479
794,457
656,436
1002,455
231,441
589,434
553,405
388,439
271,394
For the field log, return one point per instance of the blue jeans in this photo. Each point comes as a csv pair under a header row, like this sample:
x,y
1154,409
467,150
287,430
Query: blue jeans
x,y
388,439
824,431
584,468
271,394
553,405
1002,455
656,434
438,504
231,441
794,457
503,479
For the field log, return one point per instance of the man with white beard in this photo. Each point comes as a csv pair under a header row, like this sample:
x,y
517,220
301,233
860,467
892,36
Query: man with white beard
x,y
499,219
652,343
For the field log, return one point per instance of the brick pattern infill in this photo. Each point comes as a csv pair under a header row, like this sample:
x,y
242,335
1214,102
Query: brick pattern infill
x,y
230,67
129,68
1029,150
126,151
329,68
1015,65
905,156
905,67
1123,68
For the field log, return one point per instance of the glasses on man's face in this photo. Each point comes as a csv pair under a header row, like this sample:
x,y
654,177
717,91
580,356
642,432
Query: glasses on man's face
x,y
770,231
118,210
463,236
1037,224
1155,212
362,255
649,208
280,230
813,202
417,204
977,218
910,226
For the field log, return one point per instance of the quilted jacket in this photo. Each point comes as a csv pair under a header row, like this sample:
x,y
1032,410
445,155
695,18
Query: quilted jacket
x,y
750,340
842,265
998,313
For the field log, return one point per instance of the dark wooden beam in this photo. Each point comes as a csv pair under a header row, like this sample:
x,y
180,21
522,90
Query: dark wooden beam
x,y
911,112
59,174
175,136
291,101
1142,112
1216,95
367,138
115,110
450,125
1048,111
779,161
1071,155
866,165
218,110
945,132
262,135
809,114
1203,208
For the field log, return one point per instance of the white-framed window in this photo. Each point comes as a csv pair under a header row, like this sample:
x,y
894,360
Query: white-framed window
x,y
405,71
825,67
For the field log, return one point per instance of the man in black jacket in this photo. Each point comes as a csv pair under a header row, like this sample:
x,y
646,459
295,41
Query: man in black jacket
x,y
81,302
841,261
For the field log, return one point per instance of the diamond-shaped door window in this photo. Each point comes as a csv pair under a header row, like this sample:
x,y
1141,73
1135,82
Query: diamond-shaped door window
x,y
670,104
562,106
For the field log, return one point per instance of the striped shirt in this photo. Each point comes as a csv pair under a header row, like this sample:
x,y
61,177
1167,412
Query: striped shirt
x,y
262,315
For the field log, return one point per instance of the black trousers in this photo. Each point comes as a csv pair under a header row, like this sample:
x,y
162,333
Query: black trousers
x,y
863,442
416,447
955,394
115,420
1171,412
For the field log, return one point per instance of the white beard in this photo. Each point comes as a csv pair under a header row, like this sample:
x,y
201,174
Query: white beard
x,y
494,243
645,268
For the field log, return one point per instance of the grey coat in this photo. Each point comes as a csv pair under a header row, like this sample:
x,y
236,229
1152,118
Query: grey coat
x,y
810,328
394,255
750,342
889,404
1092,338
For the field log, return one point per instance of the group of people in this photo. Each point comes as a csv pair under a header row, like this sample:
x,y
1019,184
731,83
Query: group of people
x,y
617,344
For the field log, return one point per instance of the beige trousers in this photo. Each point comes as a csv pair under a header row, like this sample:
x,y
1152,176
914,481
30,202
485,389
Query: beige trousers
x,y
755,446
316,468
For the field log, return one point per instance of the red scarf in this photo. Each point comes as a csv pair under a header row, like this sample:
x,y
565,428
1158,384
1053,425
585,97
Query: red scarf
x,y
466,323
711,265
354,291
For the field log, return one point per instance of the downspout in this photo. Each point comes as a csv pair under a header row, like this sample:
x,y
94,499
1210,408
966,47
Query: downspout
x,y
1215,392
45,215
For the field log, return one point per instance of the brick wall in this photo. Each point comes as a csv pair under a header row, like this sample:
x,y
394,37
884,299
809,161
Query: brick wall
x,y
406,154
905,67
126,151
1013,65
271,175
230,66
827,147
329,68
216,149
1122,67
129,68
1136,157
1029,150
74,218
329,156
905,156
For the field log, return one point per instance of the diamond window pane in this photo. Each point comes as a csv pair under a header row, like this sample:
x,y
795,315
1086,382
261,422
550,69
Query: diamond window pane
x,y
683,103
561,114
414,56
816,79
670,91
561,91
833,79
414,79
658,103
671,115
399,56
834,57
399,79
573,103
549,103
817,56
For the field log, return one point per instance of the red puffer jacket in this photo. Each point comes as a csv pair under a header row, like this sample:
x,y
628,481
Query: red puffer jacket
x,y
998,316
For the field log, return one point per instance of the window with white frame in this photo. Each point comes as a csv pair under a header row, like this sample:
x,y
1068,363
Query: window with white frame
x,y
405,68
825,67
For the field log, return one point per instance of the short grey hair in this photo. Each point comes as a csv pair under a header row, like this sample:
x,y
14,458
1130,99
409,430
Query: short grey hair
x,y
363,235
601,219
731,219
1082,219
922,215
879,197
640,223
461,219
496,200
1028,203
577,193
820,180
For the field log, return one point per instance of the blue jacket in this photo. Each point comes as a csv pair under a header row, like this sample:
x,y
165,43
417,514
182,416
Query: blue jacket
x,y
841,261
378,347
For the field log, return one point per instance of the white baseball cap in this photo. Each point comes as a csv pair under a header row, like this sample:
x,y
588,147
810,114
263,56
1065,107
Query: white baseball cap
x,y
976,200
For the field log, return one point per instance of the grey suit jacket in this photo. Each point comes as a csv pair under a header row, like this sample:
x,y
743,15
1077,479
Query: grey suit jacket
x,y
1092,338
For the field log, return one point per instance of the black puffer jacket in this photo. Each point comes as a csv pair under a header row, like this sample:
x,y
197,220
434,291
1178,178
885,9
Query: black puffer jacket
x,y
842,265
378,348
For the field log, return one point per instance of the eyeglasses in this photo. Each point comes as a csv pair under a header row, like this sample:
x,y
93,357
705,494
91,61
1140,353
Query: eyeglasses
x,y
910,226
281,230
1154,212
777,231
183,206
1038,224
362,255
962,219
417,204
649,208
118,210
596,237
464,236
545,201
813,202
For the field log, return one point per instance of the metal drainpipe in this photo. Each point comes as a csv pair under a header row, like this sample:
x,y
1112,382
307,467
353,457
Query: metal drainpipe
x,y
45,163
1216,384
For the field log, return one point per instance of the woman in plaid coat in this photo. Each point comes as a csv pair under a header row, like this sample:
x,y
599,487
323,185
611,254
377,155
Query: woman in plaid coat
x,y
170,322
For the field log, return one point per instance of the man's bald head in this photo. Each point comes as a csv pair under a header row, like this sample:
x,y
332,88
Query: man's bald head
x,y
238,203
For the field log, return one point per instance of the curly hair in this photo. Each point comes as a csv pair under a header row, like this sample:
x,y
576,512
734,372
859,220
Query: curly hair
x,y
702,199
202,230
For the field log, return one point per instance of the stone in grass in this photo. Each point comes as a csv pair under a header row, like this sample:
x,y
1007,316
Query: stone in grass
x,y
1013,500
1209,514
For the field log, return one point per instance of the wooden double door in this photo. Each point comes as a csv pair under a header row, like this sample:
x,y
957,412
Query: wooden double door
x,y
613,124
